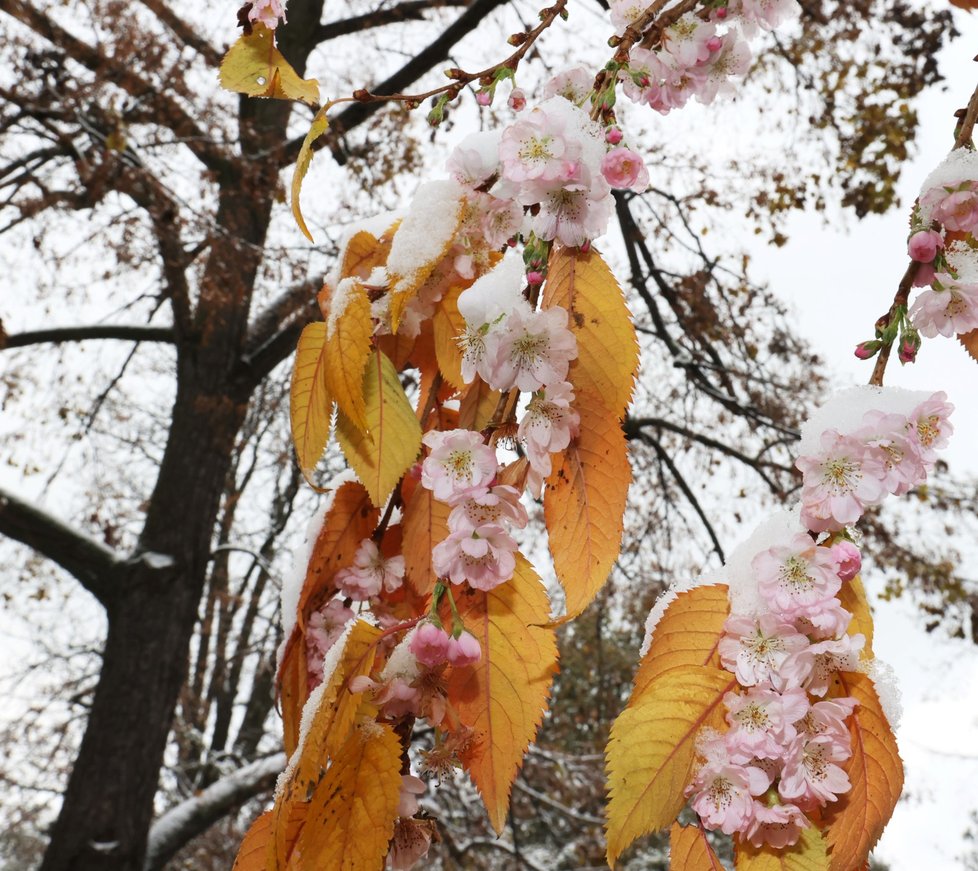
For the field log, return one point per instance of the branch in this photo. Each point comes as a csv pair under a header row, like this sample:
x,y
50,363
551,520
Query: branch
x,y
409,10
570,813
183,31
199,812
91,562
59,335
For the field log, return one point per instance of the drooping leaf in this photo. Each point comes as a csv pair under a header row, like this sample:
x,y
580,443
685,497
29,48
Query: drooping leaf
x,y
503,697
687,634
689,850
352,812
477,406
348,332
607,349
392,441
969,341
254,847
652,751
584,506
425,525
310,403
807,855
875,770
853,599
254,66
320,124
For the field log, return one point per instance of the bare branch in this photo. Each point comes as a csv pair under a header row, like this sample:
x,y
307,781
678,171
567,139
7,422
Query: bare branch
x,y
59,335
409,10
274,333
183,31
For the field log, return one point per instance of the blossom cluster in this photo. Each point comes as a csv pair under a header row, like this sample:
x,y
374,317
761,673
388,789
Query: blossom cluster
x,y
267,12
782,756
698,57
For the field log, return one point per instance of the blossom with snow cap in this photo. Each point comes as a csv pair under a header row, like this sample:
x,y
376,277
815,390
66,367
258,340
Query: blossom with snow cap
x,y
792,577
459,464
370,573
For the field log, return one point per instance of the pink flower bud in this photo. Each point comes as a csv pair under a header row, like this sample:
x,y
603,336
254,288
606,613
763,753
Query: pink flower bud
x,y
846,554
517,100
924,245
865,350
925,275
483,98
534,278
464,650
714,43
430,644
586,247
721,13
909,346
613,135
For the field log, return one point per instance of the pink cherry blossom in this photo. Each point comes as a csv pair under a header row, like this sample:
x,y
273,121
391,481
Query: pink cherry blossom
x,y
573,85
687,40
924,245
829,718
811,776
395,696
766,14
500,505
574,213
795,576
323,629
548,425
814,667
429,643
458,465
722,794
624,169
484,558
626,12
534,350
534,149
958,210
762,721
731,61
840,482
464,650
370,573
267,12
929,428
848,558
755,648
411,788
948,307
410,843
902,465
475,159
501,221
779,825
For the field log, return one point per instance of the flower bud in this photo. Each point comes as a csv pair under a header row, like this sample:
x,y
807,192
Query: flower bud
x,y
847,555
721,13
430,644
534,278
924,245
714,44
464,650
517,100
865,350
613,135
909,346
483,98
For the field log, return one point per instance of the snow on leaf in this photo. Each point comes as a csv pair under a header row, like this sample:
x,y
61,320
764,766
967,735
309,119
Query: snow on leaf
x,y
254,66
809,854
504,696
347,351
875,770
607,349
687,634
310,403
320,124
584,505
652,751
689,850
382,454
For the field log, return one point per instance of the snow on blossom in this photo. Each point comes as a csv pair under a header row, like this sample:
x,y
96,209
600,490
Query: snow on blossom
x,y
793,577
267,12
949,306
959,166
624,169
811,776
765,14
956,208
458,464
533,350
475,159
722,793
574,84
548,425
756,648
499,505
429,644
762,721
370,573
484,557
778,825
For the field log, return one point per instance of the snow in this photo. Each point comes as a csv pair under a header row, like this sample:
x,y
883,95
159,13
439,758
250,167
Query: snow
x,y
426,231
960,165
402,662
376,226
714,576
888,689
844,411
493,294
778,529
964,260
342,294
157,561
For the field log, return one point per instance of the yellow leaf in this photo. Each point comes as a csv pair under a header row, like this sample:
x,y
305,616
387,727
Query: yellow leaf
x,y
425,525
254,847
504,696
607,349
853,599
652,751
689,850
352,812
875,770
254,66
364,253
687,634
477,406
448,325
807,855
329,729
310,406
382,454
585,503
348,332
320,124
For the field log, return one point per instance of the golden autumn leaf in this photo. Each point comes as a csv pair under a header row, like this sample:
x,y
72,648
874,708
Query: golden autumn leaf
x,y
853,599
969,5
328,731
504,696
365,252
689,850
254,847
584,505
448,324
425,525
254,66
652,751
607,349
310,403
351,814
348,331
477,406
392,441
687,634
809,854
320,124
969,341
875,770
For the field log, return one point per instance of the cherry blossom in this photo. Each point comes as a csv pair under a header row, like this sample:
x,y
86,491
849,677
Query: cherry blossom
x,y
484,558
464,650
475,159
766,14
574,213
778,825
949,306
548,425
754,649
429,644
411,788
624,169
499,505
574,84
929,427
323,629
849,560
687,40
924,245
793,577
762,721
722,794
267,12
902,465
954,206
811,776
626,12
459,464
533,350
814,666
410,843
828,718
370,573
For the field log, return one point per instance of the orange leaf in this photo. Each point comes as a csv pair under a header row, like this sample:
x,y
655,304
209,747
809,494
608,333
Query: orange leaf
x,y
969,341
607,349
425,525
687,634
876,773
969,5
652,751
448,324
347,350
504,696
807,855
363,253
352,812
689,850
254,847
477,406
853,599
310,403
585,504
